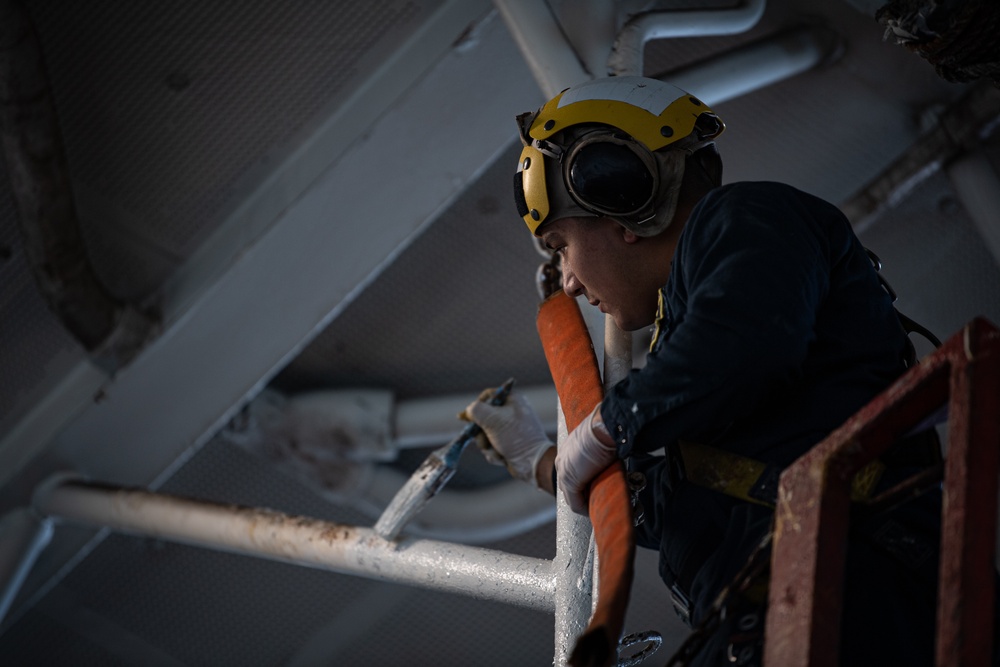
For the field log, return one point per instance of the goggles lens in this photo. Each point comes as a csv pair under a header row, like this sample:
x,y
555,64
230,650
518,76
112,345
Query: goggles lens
x,y
610,178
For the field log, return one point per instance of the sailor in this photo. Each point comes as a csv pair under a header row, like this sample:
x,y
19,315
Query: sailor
x,y
772,327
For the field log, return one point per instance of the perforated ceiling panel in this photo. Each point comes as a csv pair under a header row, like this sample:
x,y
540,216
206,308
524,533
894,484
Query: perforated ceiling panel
x,y
171,109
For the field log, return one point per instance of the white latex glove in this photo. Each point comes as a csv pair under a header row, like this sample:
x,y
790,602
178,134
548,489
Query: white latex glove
x,y
516,436
581,458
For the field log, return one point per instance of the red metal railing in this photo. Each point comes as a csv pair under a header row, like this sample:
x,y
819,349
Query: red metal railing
x,y
807,574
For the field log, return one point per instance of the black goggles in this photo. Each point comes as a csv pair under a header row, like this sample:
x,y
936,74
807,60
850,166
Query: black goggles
x,y
604,171
613,175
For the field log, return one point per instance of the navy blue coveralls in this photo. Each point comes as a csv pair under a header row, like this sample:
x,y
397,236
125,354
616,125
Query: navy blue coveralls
x,y
773,330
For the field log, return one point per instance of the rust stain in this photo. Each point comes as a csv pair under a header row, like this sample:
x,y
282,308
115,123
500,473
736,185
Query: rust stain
x,y
333,534
786,515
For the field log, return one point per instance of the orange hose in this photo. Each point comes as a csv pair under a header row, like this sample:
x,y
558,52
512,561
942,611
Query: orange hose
x,y
573,364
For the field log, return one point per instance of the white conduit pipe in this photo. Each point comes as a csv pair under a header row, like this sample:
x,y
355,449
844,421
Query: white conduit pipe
x,y
300,427
590,26
431,422
756,65
574,572
479,573
23,536
627,52
550,56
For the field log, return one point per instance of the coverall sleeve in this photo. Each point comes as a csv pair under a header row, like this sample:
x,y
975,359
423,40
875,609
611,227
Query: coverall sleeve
x,y
747,280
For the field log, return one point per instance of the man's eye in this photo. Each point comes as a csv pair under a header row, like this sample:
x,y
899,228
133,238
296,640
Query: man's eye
x,y
554,245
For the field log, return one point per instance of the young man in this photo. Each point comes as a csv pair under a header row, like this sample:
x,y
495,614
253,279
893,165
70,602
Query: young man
x,y
772,328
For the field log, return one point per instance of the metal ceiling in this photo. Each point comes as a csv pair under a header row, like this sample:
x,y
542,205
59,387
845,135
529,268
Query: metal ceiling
x,y
316,196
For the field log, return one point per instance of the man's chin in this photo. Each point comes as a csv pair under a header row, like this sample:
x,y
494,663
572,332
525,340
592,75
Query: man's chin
x,y
633,324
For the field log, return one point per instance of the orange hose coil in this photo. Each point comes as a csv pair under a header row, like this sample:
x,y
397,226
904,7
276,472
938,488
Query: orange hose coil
x,y
573,364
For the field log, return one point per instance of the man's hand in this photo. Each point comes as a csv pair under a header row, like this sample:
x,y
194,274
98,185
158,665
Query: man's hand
x,y
587,451
514,435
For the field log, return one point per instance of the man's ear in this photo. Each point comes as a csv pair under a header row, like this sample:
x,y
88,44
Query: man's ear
x,y
628,235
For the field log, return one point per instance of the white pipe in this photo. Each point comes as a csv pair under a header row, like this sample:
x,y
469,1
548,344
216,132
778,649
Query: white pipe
x,y
977,186
590,26
273,422
430,422
471,516
23,536
573,570
627,52
551,57
755,66
480,573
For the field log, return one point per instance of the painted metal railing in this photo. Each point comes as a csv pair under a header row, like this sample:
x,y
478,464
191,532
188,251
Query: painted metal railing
x,y
807,572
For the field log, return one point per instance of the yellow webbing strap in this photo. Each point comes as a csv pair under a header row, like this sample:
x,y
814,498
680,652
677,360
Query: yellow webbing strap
x,y
738,476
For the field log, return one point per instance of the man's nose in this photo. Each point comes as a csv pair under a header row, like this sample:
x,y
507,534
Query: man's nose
x,y
571,284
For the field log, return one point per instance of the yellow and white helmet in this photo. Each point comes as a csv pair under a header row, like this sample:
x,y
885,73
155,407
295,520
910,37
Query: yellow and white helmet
x,y
613,147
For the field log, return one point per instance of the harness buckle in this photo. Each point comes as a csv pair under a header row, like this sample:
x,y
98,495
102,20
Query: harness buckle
x,y
681,602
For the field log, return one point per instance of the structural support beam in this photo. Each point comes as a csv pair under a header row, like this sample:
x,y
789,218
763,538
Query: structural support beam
x,y
961,127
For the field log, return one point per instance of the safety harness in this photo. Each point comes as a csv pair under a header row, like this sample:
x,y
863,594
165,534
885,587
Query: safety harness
x,y
756,482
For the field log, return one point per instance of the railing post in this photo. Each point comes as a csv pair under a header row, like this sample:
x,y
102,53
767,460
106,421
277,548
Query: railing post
x,y
968,531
